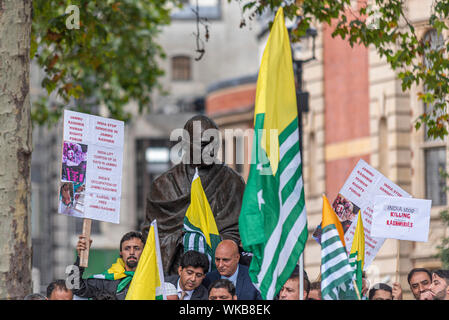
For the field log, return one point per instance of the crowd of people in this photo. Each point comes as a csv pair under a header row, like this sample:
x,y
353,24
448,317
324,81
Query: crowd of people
x,y
230,280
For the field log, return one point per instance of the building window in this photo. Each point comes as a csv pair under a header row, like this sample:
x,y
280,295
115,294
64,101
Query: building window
x,y
181,68
434,150
435,160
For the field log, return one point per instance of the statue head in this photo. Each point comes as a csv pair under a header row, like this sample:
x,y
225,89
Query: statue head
x,y
200,141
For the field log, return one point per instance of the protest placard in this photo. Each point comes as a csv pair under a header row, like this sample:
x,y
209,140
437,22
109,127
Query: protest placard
x,y
91,169
401,218
358,192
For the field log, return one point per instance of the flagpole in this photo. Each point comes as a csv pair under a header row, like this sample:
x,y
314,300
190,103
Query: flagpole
x,y
158,259
356,289
301,276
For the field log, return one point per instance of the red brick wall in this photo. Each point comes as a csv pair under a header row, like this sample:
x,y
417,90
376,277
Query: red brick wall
x,y
230,99
346,98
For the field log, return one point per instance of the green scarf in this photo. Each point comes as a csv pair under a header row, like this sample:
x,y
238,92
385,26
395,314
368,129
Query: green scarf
x,y
115,272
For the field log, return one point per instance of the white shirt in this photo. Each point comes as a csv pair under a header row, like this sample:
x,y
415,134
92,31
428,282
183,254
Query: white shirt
x,y
233,278
179,290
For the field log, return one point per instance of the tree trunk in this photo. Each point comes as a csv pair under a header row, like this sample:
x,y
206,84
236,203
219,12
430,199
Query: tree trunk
x,y
15,146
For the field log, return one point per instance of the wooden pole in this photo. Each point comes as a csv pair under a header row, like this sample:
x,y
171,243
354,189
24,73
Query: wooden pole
x,y
398,257
356,289
84,254
301,277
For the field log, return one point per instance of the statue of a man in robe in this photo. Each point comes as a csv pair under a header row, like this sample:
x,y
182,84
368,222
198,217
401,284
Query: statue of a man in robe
x,y
169,195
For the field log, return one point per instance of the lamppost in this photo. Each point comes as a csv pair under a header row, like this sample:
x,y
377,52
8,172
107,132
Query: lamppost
x,y
302,53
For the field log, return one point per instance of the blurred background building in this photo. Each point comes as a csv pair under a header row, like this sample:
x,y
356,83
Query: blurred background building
x,y
351,104
353,107
230,53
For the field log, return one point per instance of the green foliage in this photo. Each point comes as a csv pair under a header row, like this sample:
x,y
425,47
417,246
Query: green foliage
x,y
111,59
385,26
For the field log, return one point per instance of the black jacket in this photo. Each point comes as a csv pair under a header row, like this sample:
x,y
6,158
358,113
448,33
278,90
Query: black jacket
x,y
96,288
244,289
199,293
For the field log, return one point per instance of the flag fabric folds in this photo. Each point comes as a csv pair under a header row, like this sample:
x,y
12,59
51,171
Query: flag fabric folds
x,y
357,254
273,222
201,232
337,276
148,280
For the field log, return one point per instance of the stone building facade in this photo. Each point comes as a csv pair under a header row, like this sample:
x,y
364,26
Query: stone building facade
x,y
357,110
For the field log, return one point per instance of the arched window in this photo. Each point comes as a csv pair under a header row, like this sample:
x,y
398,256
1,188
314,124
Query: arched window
x,y
181,68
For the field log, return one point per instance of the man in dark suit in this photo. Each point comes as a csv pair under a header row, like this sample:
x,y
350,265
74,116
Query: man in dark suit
x,y
191,273
227,261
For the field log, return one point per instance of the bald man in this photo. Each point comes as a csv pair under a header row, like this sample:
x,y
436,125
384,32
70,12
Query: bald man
x,y
227,261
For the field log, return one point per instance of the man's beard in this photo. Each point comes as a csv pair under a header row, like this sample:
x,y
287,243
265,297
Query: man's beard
x,y
440,295
131,263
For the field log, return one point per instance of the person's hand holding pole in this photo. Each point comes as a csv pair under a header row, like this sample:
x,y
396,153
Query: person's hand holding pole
x,y
82,244
397,291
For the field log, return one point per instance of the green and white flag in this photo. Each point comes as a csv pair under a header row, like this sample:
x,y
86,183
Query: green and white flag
x,y
273,222
337,275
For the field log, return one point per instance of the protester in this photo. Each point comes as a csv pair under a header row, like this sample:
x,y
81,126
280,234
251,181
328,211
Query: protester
x,y
57,290
222,289
35,296
419,280
227,258
191,272
439,289
290,290
105,296
115,281
381,291
315,291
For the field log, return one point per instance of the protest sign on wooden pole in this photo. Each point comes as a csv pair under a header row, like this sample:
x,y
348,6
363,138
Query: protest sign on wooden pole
x,y
84,254
91,171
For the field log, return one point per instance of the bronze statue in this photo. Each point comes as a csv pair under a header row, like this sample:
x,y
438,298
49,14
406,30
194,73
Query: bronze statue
x,y
169,195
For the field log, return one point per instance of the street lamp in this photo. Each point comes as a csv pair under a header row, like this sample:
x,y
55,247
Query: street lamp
x,y
302,52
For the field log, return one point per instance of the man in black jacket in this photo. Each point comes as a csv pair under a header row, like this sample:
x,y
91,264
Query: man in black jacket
x,y
115,281
191,272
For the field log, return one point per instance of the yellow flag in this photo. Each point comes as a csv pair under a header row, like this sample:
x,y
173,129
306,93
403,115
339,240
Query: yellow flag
x,y
199,217
276,92
357,254
148,279
358,243
329,217
200,229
